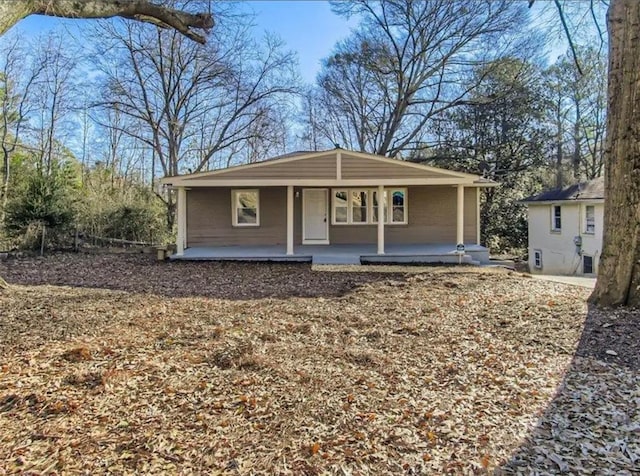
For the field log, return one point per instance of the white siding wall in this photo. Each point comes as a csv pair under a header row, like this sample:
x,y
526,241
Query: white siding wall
x,y
559,254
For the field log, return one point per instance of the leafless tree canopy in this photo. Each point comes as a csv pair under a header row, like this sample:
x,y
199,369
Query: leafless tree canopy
x,y
406,63
194,106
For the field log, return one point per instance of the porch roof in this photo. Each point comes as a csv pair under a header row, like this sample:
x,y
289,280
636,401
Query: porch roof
x,y
332,168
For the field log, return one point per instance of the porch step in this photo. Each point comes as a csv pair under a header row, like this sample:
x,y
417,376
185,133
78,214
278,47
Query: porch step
x,y
448,258
336,259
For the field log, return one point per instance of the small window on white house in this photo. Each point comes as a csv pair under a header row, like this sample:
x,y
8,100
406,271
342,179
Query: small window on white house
x,y
589,219
245,207
537,259
556,218
587,264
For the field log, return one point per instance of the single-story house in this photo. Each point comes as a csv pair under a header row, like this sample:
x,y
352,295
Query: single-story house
x,y
565,229
304,205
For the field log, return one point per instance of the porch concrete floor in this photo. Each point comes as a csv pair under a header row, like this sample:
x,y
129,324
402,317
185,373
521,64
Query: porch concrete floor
x,y
339,254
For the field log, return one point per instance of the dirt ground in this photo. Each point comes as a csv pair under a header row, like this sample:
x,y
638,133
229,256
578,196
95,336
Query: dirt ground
x,y
121,364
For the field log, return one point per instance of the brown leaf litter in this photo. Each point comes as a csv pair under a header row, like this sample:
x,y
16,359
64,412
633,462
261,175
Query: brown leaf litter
x,y
118,364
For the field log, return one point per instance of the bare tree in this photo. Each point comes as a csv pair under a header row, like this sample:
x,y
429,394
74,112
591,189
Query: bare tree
x,y
558,111
17,79
50,124
405,64
593,113
577,103
12,11
193,105
311,133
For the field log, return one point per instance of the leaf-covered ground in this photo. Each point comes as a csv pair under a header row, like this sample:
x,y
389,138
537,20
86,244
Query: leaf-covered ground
x,y
119,364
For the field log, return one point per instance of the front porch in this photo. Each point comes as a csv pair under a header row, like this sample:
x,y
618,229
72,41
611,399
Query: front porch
x,y
340,254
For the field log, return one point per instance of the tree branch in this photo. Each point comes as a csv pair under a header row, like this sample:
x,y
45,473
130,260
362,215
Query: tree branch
x,y
12,11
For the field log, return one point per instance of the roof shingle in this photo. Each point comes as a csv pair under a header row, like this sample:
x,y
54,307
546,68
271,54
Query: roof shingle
x,y
591,190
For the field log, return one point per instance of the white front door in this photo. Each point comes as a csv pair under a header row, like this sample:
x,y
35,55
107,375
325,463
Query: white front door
x,y
315,216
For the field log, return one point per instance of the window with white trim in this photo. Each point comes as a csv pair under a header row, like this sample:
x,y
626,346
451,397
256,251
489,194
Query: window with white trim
x,y
590,219
556,218
398,203
587,264
537,259
359,206
341,206
245,207
385,207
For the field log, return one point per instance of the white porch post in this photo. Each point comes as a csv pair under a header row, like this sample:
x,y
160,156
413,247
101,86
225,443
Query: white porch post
x,y
460,216
381,219
182,221
290,219
477,215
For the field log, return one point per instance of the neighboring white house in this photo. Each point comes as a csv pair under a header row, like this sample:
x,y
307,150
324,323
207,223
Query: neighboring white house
x,y
565,229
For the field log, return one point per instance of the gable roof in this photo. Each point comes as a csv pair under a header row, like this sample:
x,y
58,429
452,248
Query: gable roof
x,y
336,167
591,190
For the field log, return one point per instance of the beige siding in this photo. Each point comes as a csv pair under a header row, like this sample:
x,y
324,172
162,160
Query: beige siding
x,y
209,218
470,216
315,168
363,168
432,220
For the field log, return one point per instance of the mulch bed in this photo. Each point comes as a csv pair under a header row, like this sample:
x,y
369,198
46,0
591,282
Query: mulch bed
x,y
119,364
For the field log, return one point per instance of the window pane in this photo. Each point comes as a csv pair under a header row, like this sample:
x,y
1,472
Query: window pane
x,y
590,219
398,202
341,199
247,199
245,203
557,218
359,214
398,214
385,211
384,206
341,214
340,204
398,198
359,206
359,198
247,215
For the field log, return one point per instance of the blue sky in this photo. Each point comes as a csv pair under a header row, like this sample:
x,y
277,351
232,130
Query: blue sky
x,y
308,27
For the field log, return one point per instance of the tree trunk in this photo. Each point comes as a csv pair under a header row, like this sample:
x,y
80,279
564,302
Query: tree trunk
x,y
42,242
577,152
171,210
559,161
619,272
4,192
